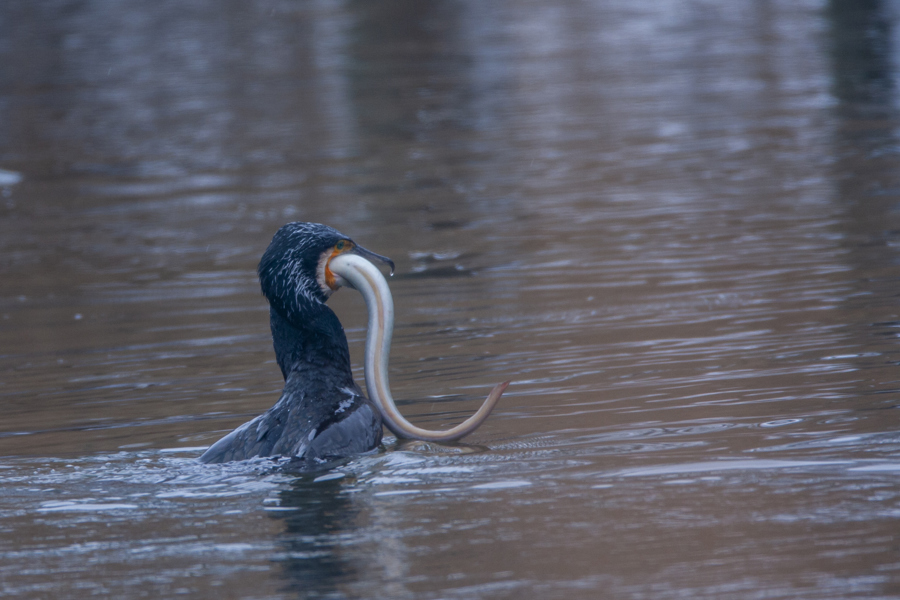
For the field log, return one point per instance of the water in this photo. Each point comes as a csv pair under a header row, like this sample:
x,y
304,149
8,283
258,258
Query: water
x,y
675,226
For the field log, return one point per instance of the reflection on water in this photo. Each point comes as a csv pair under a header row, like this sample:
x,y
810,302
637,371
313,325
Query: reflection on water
x,y
318,519
673,225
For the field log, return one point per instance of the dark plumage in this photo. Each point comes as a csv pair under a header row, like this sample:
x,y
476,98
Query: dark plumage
x,y
322,414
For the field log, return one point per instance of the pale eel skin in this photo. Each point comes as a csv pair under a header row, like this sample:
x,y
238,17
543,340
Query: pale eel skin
x,y
358,273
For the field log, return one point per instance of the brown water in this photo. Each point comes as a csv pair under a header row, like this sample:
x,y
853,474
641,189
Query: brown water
x,y
675,226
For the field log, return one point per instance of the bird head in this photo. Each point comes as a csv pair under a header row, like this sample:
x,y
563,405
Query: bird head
x,y
294,271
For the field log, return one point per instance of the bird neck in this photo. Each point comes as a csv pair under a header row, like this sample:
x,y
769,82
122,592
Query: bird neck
x,y
316,344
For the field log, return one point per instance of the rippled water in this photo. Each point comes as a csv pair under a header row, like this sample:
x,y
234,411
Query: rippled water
x,y
675,226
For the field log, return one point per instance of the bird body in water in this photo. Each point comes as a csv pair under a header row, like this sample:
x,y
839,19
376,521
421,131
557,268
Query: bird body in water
x,y
322,413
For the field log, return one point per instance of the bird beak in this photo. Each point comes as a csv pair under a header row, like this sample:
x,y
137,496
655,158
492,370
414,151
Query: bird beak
x,y
372,257
334,279
368,280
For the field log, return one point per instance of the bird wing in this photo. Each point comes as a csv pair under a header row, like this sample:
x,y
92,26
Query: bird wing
x,y
342,423
359,431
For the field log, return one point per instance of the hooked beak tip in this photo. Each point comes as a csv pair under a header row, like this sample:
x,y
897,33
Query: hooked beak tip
x,y
374,258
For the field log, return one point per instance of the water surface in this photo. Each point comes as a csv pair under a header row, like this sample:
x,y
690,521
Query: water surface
x,y
674,226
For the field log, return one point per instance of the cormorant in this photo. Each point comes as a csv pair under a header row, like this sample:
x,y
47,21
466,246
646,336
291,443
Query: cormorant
x,y
322,414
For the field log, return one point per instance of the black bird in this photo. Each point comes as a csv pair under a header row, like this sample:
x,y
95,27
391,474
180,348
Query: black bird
x,y
322,414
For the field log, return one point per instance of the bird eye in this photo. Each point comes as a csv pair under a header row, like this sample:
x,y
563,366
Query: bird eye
x,y
342,245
